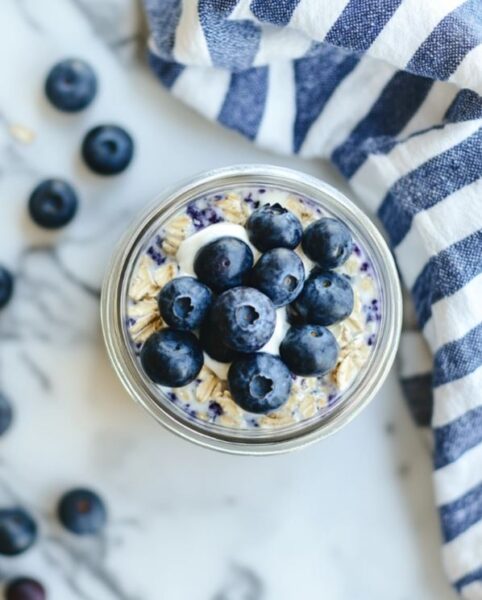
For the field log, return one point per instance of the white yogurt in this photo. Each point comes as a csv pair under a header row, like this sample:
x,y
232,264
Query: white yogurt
x,y
219,368
280,330
189,248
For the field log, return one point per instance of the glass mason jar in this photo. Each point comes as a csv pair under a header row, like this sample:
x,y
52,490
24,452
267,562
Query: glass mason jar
x,y
256,441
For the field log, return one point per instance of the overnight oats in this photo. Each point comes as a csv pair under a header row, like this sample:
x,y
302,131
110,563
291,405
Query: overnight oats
x,y
252,311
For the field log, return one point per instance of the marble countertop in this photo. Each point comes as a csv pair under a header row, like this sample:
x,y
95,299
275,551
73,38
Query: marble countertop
x,y
350,518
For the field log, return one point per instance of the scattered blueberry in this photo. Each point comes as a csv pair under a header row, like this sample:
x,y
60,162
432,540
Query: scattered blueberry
x,y
53,203
25,588
245,317
18,531
259,382
6,286
279,274
108,149
327,242
71,85
172,358
184,303
6,414
82,511
223,263
272,226
212,343
309,350
326,298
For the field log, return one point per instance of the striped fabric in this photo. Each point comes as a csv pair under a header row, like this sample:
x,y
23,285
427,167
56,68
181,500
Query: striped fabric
x,y
389,91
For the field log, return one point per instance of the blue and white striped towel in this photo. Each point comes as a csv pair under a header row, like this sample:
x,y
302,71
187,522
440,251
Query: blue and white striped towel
x,y
388,90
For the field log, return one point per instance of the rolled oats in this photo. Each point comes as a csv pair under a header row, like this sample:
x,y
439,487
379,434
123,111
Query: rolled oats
x,y
211,387
303,211
143,284
234,208
176,232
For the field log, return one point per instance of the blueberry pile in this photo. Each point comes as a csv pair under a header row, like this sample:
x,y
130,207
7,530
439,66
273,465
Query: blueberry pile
x,y
228,310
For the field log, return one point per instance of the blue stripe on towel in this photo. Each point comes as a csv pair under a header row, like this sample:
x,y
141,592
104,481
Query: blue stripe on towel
x,y
467,105
360,22
446,273
278,12
471,577
396,105
313,92
232,44
164,17
448,44
430,183
245,101
418,393
454,439
458,358
167,71
461,514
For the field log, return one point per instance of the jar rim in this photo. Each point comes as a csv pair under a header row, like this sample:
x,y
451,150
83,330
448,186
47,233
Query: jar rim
x,y
167,204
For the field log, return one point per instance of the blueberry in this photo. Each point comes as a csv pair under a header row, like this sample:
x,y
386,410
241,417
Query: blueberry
x,y
108,149
279,274
212,343
6,286
272,226
309,350
327,242
18,531
223,263
6,414
259,382
82,511
184,303
71,85
172,358
245,318
53,203
25,588
326,298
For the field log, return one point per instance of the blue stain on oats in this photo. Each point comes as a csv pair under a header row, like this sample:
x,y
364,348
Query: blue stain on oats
x,y
202,216
332,398
372,311
189,411
156,255
251,202
215,409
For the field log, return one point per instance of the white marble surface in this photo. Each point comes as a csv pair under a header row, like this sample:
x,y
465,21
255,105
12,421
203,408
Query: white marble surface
x,y
351,518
